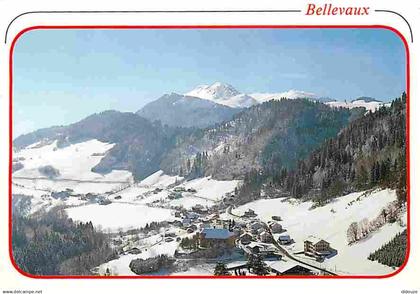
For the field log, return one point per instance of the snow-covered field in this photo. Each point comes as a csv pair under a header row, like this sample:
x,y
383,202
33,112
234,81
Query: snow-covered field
x,y
120,266
160,180
74,164
330,223
211,189
119,216
370,105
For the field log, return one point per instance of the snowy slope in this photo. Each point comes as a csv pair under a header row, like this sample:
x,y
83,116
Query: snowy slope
x,y
74,164
291,94
211,189
369,105
331,222
117,216
160,180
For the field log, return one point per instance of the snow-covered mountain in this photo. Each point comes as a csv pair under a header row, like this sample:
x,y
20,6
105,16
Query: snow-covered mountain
x,y
226,94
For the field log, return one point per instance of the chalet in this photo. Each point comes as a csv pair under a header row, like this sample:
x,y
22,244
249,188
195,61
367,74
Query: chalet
x,y
316,247
275,227
60,195
192,215
175,195
255,248
288,268
255,226
192,227
179,189
133,250
263,250
261,230
229,199
250,213
104,201
198,208
284,239
265,237
237,230
212,237
157,190
245,238
186,222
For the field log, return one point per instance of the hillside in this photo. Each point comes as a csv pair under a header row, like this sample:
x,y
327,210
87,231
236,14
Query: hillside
x,y
258,137
368,153
139,143
185,111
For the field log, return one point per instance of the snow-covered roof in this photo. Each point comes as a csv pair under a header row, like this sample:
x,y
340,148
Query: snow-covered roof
x,y
245,234
212,233
282,266
314,239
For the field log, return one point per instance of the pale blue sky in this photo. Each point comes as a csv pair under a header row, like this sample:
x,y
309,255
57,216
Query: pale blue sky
x,y
62,76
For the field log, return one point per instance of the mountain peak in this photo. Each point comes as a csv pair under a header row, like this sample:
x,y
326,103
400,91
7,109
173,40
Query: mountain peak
x,y
215,91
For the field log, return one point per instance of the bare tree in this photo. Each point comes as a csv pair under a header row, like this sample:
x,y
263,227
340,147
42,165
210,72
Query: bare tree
x,y
353,232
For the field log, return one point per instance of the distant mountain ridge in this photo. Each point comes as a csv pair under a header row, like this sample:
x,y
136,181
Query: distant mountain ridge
x,y
226,94
200,136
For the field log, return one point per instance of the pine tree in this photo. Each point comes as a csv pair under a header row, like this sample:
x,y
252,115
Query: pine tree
x,y
221,270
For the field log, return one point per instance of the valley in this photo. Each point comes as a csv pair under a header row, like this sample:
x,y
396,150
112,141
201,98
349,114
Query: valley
x,y
262,186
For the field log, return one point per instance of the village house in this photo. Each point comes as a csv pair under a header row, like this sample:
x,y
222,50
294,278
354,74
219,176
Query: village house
x,y
198,208
186,222
288,268
265,237
250,213
275,227
229,199
246,238
215,237
284,239
315,246
179,189
255,226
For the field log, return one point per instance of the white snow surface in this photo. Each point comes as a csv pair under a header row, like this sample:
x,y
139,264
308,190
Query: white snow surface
x,y
369,106
330,223
119,216
211,189
226,94
120,266
291,94
74,164
160,180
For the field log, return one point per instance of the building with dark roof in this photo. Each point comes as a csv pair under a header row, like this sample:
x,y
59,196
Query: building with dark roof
x,y
216,237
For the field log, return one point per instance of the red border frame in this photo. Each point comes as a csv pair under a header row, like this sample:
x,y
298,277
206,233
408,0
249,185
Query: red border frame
x,y
213,27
